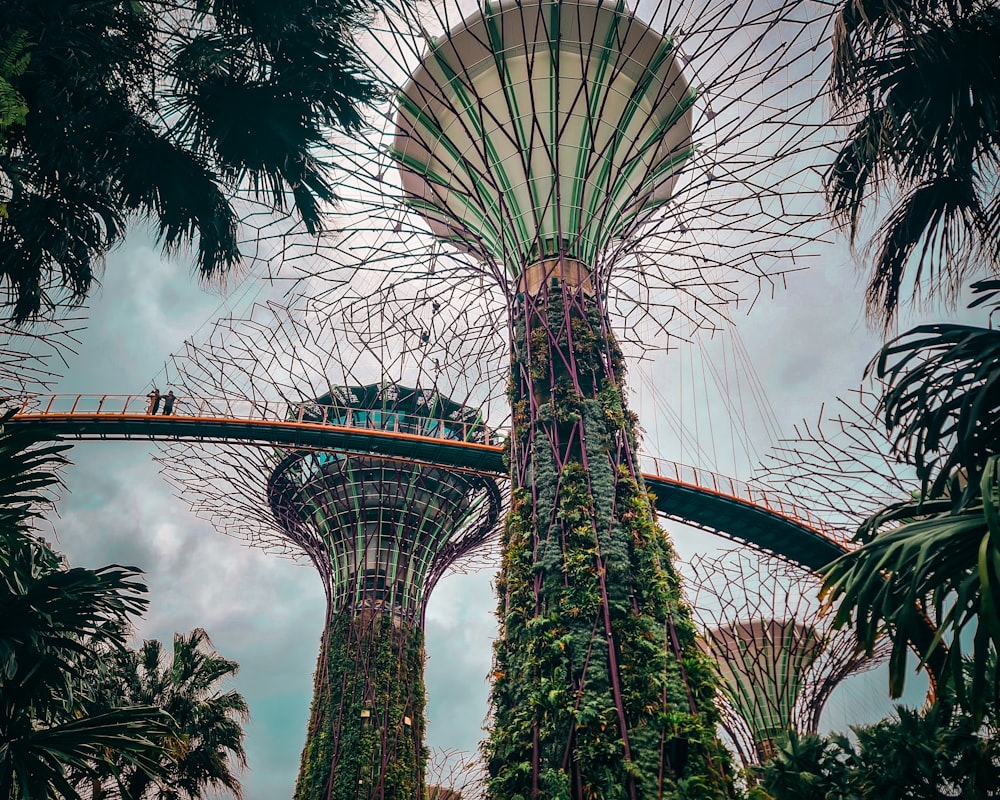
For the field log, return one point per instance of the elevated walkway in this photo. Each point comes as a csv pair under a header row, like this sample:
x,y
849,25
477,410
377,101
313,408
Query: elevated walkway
x,y
696,497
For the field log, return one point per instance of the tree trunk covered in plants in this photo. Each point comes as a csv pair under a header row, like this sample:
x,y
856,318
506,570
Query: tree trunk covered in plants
x,y
599,688
366,728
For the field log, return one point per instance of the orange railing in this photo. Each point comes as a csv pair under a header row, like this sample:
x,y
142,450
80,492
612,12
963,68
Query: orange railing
x,y
708,481
308,413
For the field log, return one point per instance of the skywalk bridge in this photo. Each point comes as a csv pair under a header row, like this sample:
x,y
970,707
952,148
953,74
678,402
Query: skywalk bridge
x,y
694,496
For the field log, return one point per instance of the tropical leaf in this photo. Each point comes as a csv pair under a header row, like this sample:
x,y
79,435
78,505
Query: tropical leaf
x,y
52,620
937,752
14,59
914,82
205,738
172,113
942,566
50,761
942,402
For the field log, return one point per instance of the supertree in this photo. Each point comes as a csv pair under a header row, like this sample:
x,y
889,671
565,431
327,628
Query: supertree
x,y
380,532
545,141
778,655
551,174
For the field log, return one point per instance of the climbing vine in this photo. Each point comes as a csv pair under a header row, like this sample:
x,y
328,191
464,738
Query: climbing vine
x,y
599,688
366,724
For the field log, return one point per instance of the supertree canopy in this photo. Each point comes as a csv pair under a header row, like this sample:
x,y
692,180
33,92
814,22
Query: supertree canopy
x,y
778,657
667,158
380,532
378,526
543,130
763,664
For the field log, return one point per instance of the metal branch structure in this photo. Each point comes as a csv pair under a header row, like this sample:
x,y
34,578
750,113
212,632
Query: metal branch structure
x,y
842,466
379,531
778,655
549,181
33,356
483,165
454,775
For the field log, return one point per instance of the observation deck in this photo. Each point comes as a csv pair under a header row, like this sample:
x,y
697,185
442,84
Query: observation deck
x,y
382,531
700,498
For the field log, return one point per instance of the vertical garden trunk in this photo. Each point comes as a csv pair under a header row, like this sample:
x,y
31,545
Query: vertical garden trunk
x,y
366,725
600,690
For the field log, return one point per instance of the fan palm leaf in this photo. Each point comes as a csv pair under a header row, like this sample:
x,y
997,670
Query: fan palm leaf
x,y
49,761
916,81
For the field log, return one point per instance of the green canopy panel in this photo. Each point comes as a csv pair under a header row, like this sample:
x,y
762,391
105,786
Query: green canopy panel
x,y
540,129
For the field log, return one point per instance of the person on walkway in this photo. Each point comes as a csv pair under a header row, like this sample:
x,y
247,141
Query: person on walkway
x,y
168,403
154,401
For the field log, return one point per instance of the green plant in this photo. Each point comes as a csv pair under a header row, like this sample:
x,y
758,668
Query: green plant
x,y
916,81
367,716
165,112
53,619
935,559
599,688
206,734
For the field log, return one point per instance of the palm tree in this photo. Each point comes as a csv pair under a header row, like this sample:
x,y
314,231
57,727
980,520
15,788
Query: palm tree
x,y
936,556
51,618
206,735
165,112
916,81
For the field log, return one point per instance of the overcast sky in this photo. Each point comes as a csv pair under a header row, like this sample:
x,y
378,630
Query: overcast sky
x,y
263,611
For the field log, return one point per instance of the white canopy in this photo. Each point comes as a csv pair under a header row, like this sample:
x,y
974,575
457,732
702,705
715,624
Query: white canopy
x,y
543,128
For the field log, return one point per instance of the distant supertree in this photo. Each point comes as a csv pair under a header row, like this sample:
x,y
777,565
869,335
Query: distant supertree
x,y
380,532
552,179
778,655
454,775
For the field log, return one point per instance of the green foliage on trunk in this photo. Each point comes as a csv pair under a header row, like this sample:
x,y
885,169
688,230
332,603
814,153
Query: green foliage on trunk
x,y
367,723
600,690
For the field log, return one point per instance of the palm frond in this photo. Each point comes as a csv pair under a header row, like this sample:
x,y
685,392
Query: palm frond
x,y
944,566
934,232
187,115
943,401
915,81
